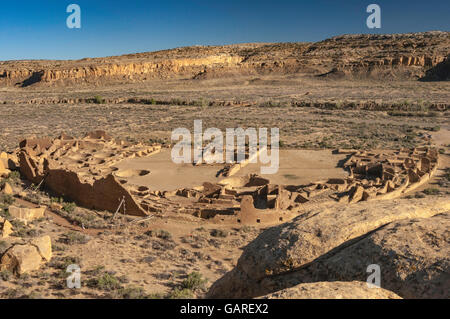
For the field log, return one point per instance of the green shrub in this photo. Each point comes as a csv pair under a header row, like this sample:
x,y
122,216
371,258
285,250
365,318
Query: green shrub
x,y
180,294
5,275
447,174
99,100
6,199
130,293
163,234
73,237
219,233
106,282
194,281
3,246
69,207
431,191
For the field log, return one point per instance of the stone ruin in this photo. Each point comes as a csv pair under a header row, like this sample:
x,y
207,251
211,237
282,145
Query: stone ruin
x,y
84,170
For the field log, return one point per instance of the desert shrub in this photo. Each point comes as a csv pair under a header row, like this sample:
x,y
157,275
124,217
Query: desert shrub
x,y
58,200
246,229
12,293
447,174
32,295
22,230
431,191
26,232
105,282
99,100
433,128
61,263
14,176
72,238
180,294
69,207
163,234
4,212
194,281
129,293
155,296
6,199
81,217
219,233
5,275
96,271
13,179
3,246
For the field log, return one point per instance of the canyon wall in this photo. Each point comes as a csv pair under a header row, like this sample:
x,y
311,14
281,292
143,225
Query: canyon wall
x,y
405,55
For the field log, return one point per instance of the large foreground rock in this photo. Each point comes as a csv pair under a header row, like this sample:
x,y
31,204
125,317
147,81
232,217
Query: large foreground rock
x,y
332,290
20,259
413,255
281,256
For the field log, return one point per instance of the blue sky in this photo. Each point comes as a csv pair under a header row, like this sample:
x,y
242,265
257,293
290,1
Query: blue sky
x,y
37,29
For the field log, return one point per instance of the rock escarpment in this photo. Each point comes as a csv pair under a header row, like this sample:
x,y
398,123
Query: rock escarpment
x,y
398,55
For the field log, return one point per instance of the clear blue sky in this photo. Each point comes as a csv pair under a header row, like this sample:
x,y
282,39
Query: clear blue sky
x,y
37,29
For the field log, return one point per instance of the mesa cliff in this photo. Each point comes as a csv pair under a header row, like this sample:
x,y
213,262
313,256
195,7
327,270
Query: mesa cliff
x,y
374,56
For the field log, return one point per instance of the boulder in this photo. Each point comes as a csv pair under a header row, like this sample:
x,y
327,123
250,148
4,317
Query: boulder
x,y
6,227
332,290
26,214
44,246
4,172
23,258
319,232
56,206
413,256
356,194
7,189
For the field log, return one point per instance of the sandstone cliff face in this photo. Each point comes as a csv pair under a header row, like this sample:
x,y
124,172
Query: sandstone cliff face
x,y
363,55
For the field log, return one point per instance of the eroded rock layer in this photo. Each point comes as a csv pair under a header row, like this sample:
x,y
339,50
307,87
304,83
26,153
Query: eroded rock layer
x,y
398,55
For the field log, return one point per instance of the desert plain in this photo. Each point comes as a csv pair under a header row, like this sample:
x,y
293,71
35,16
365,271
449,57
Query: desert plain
x,y
364,177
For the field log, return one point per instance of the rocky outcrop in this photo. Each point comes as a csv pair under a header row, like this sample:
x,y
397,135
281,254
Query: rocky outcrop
x,y
413,255
332,290
273,260
23,258
440,72
407,55
26,214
